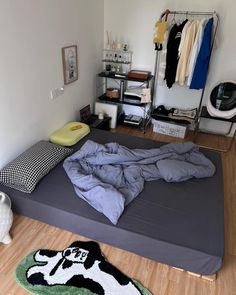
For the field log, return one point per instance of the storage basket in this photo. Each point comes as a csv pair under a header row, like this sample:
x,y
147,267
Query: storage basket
x,y
169,128
113,93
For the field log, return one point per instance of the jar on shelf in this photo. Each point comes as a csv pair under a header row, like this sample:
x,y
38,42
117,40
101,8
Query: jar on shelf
x,y
119,69
120,59
113,68
115,58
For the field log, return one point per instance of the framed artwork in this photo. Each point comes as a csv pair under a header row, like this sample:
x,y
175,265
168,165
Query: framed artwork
x,y
70,64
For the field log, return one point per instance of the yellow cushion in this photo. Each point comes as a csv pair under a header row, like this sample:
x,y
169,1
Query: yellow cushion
x,y
69,134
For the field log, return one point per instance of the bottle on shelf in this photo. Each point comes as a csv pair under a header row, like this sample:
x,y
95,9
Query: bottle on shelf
x,y
122,89
120,59
118,56
110,56
115,58
113,69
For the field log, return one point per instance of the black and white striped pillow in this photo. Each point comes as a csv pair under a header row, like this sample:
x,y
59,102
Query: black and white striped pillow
x,y
27,169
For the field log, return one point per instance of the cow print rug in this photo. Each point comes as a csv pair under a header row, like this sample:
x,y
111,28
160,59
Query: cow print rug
x,y
79,269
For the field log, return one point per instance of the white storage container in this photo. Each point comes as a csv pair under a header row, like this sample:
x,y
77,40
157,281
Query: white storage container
x,y
6,218
169,128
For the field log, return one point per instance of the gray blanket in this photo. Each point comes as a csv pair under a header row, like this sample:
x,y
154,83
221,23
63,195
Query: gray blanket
x,y
110,176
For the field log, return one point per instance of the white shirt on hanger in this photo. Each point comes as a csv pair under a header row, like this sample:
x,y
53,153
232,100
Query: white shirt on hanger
x,y
182,68
183,36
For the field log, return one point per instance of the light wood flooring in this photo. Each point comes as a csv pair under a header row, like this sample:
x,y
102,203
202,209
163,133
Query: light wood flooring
x,y
160,279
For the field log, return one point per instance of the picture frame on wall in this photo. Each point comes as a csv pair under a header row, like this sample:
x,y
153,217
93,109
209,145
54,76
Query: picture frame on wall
x,y
70,64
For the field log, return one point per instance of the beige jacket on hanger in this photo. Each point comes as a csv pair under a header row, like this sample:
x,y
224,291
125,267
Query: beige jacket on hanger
x,y
182,68
183,36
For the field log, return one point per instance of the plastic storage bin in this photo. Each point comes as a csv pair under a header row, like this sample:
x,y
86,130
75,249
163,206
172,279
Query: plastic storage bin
x,y
169,128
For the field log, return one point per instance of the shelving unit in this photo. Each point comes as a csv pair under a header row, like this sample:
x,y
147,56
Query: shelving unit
x,y
121,80
117,61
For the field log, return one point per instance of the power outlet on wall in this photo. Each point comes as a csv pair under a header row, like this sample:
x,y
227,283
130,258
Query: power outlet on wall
x,y
54,93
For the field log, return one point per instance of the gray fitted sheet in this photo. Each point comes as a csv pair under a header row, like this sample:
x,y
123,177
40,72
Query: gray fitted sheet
x,y
180,224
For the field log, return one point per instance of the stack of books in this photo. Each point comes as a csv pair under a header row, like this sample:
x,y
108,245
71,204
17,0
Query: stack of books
x,y
133,119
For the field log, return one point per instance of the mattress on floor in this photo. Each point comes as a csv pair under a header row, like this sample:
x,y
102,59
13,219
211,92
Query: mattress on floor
x,y
179,224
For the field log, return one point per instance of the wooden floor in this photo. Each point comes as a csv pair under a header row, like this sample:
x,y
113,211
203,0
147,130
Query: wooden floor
x,y
29,235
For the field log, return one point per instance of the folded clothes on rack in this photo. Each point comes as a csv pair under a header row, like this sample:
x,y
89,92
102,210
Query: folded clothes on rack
x,y
174,114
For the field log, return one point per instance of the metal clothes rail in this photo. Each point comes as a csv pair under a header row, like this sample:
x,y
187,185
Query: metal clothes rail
x,y
187,13
191,12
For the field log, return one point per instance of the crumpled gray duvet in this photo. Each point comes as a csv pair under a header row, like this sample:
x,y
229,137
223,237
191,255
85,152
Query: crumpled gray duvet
x,y
110,176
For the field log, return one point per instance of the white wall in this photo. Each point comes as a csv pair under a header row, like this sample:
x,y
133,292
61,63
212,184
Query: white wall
x,y
32,35
133,21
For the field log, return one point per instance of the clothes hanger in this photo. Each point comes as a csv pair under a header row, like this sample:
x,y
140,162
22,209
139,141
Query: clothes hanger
x,y
173,19
165,14
186,16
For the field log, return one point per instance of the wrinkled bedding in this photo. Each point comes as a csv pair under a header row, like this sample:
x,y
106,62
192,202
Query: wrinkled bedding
x,y
110,176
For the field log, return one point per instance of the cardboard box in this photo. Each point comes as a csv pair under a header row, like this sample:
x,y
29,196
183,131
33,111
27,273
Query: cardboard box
x,y
136,74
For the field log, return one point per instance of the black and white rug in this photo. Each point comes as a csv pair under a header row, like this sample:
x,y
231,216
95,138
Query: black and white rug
x,y
81,269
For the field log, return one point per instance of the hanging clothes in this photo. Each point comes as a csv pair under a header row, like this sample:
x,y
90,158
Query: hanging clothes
x,y
195,50
162,59
182,68
203,58
183,36
161,27
172,53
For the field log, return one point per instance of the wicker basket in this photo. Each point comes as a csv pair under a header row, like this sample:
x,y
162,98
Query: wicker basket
x,y
113,93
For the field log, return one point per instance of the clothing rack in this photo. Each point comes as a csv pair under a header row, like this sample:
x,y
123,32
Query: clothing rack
x,y
192,12
168,12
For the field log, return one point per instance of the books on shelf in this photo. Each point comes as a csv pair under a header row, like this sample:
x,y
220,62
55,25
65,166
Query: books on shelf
x,y
133,95
134,92
133,119
140,94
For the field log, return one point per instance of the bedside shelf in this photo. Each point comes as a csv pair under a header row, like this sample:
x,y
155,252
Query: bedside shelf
x,y
94,122
204,114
